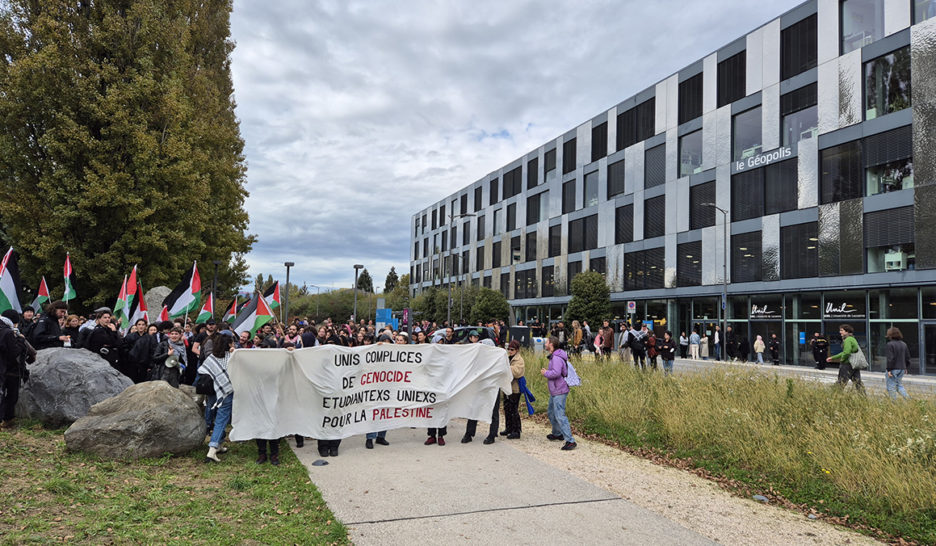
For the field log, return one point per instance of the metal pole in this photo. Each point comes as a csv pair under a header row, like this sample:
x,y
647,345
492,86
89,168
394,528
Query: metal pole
x,y
357,267
286,296
724,332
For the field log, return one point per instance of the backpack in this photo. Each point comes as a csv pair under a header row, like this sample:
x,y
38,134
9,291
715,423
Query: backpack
x,y
636,343
204,384
572,378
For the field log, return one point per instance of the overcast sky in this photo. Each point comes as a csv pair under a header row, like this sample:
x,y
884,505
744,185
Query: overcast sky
x,y
357,114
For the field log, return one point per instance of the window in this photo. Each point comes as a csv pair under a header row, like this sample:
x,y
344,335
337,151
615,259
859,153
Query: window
x,y
419,273
690,99
624,224
923,10
505,285
781,186
533,209
496,255
487,281
732,79
532,173
444,241
637,124
466,232
530,246
889,240
497,222
799,47
525,284
493,188
746,257
889,161
568,156
512,182
442,215
453,237
746,134
481,228
701,216
655,166
799,257
465,258
549,283
841,173
572,269
747,195
435,244
599,141
644,269
590,189
583,234
426,247
654,217
555,240
511,217
887,83
598,265
568,197
463,204
424,224
549,162
689,264
515,256
477,199
862,23
479,258
800,115
416,250
434,219
690,153
615,178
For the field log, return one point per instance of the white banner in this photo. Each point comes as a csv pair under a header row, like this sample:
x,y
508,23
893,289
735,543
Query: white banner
x,y
331,392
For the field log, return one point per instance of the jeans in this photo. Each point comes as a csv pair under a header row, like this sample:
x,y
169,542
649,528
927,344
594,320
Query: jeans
x,y
718,351
222,419
667,367
373,435
760,358
557,417
210,410
895,384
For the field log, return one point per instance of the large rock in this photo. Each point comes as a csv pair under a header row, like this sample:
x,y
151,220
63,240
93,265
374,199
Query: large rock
x,y
64,384
146,420
154,298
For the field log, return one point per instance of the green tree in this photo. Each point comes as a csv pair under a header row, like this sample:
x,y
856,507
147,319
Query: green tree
x,y
591,298
119,142
365,283
391,281
258,283
399,297
489,305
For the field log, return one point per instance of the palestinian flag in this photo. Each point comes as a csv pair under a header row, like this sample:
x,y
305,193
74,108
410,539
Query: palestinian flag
x,y
137,309
187,295
272,295
132,292
231,312
120,308
207,311
253,317
164,314
42,296
69,280
240,306
10,282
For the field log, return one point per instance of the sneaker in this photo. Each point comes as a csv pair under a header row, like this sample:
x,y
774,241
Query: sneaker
x,y
489,440
223,449
441,441
429,441
382,441
466,439
369,444
569,446
554,437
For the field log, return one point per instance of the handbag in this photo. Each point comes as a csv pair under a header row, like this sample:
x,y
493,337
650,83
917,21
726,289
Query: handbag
x,y
858,360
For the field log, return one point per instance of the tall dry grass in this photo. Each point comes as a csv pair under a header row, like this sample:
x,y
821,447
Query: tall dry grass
x,y
874,456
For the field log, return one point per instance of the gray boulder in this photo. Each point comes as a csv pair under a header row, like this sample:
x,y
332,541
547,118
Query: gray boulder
x,y
64,384
146,420
154,298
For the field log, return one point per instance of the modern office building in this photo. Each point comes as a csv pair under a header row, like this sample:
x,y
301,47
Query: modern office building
x,y
814,137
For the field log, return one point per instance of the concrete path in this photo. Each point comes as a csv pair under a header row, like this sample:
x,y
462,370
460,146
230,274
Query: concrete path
x,y
408,493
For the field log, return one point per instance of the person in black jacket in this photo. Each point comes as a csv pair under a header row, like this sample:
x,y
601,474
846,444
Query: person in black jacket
x,y
104,339
774,346
142,352
667,350
15,352
48,332
171,345
820,350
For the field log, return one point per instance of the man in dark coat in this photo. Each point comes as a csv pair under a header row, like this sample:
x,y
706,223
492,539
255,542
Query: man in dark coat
x,y
15,352
48,332
820,350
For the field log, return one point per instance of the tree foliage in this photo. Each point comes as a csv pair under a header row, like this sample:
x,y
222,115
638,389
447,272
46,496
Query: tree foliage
x,y
364,282
591,298
489,305
119,142
399,298
391,281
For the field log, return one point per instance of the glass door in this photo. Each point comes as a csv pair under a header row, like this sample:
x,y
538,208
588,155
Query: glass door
x,y
928,364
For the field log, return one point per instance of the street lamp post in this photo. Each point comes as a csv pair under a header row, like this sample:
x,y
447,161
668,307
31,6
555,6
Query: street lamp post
x,y
357,267
214,284
286,296
452,218
724,305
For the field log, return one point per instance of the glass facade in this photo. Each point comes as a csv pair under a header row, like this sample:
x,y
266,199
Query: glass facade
x,y
862,23
746,134
690,153
887,84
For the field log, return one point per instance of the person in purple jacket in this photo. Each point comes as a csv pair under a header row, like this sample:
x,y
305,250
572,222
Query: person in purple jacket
x,y
558,391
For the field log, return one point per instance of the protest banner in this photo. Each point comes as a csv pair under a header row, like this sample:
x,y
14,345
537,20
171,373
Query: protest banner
x,y
332,392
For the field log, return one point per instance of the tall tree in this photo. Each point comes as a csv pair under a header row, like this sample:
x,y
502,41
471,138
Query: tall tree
x,y
364,282
119,142
489,305
391,281
591,298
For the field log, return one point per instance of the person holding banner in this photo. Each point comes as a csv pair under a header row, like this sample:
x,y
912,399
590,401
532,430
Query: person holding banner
x,y
512,402
471,429
558,392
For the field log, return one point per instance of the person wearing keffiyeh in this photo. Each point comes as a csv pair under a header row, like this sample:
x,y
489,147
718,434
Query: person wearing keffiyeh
x,y
171,345
215,366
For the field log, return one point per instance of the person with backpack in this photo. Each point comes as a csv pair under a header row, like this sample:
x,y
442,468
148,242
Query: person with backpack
x,y
215,367
636,340
15,353
558,392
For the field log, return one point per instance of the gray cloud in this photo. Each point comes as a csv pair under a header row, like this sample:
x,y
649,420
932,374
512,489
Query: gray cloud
x,y
356,114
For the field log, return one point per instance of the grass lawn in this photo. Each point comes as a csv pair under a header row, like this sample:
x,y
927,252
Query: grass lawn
x,y
51,495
